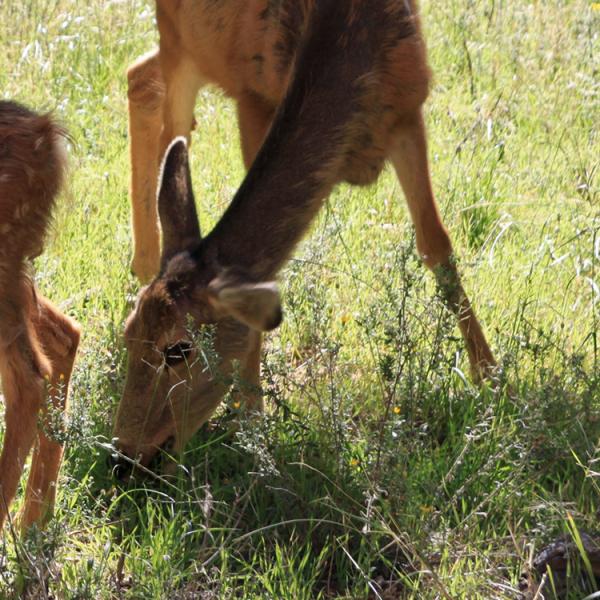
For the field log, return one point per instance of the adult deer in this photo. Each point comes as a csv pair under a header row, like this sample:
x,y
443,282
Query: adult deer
x,y
37,342
326,91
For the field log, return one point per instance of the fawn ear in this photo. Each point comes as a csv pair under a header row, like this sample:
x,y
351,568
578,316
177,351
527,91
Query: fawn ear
x,y
256,305
176,206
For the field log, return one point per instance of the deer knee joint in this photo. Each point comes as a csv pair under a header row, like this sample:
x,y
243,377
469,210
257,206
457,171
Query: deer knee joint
x,y
72,330
145,84
436,252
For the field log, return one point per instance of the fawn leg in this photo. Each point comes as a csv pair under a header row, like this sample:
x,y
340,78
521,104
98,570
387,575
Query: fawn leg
x,y
146,90
59,337
409,157
22,370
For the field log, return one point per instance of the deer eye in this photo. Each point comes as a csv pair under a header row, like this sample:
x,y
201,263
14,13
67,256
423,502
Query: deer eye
x,y
177,353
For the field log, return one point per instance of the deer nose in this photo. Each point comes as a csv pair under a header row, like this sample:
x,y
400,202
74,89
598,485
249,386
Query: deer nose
x,y
121,468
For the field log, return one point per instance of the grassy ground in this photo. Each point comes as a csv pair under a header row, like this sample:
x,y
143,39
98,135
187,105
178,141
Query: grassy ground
x,y
379,471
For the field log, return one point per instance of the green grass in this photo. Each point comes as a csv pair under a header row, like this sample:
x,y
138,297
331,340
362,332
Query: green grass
x,y
378,468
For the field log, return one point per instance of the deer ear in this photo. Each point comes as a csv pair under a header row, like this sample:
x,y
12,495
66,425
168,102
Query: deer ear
x,y
176,205
257,305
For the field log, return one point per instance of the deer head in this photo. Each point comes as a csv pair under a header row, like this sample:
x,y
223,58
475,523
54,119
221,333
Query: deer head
x,y
188,330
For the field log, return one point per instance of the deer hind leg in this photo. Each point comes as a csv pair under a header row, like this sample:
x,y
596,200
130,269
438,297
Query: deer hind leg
x,y
22,369
409,157
146,90
59,337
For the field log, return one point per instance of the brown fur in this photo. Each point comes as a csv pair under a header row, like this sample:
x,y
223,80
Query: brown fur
x,y
37,342
327,91
250,49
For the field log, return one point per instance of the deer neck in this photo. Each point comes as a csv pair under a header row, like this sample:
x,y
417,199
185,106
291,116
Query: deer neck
x,y
299,162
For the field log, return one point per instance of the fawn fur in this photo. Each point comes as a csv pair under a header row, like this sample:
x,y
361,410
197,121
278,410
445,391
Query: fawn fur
x,y
37,342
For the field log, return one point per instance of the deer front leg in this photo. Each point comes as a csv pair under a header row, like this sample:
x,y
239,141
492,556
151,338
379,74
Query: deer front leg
x,y
23,384
409,157
146,91
254,120
182,83
248,390
59,337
